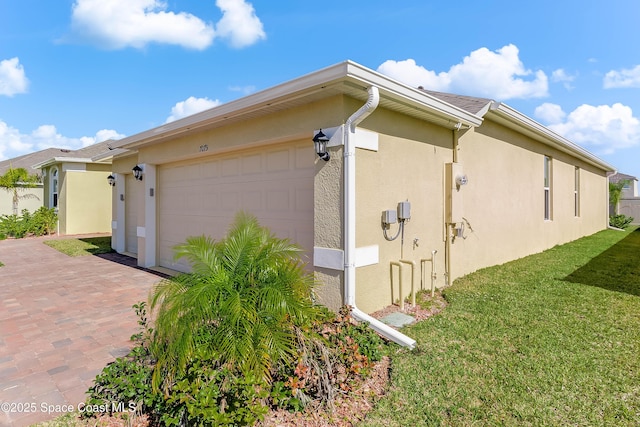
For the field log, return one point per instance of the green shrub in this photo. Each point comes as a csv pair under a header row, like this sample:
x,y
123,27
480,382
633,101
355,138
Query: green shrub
x,y
237,336
246,294
40,223
43,221
332,354
620,221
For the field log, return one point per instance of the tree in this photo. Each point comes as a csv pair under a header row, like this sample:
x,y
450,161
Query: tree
x,y
17,181
240,305
615,192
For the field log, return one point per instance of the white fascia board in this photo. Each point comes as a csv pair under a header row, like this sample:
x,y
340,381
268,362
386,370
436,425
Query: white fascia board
x,y
55,160
108,156
394,89
347,71
546,135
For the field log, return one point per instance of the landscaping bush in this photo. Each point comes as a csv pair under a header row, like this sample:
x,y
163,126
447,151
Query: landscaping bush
x,y
237,336
39,223
620,221
333,355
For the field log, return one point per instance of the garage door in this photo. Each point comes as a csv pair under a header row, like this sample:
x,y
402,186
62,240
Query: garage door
x,y
275,185
133,190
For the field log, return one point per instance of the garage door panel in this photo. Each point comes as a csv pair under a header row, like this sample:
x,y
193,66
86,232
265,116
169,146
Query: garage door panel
x,y
252,165
275,185
278,161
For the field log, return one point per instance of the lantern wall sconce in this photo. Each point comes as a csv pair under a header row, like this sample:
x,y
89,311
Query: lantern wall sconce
x,y
320,143
137,172
111,180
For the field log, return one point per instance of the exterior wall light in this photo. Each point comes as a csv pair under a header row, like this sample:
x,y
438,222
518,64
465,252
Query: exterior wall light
x,y
320,142
137,172
111,180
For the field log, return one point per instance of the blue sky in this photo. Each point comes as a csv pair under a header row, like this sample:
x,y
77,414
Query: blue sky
x,y
75,72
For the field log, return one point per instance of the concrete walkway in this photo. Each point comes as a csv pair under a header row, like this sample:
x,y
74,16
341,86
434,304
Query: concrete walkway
x,y
62,319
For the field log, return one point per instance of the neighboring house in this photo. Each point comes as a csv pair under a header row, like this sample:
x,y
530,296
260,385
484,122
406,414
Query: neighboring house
x,y
26,161
486,184
629,200
77,187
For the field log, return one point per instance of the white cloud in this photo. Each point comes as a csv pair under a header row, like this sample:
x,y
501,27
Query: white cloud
x,y
116,24
500,75
239,23
561,76
550,113
13,143
622,79
12,77
245,90
191,106
608,128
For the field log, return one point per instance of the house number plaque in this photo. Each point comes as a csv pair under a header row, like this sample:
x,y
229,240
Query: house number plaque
x,y
204,148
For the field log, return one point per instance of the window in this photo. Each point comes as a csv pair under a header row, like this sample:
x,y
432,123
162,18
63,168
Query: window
x,y
576,192
54,188
547,188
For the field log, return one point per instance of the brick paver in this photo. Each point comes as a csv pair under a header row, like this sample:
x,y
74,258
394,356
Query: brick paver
x,y
62,319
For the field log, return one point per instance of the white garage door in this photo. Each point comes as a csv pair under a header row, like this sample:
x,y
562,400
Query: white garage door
x,y
133,190
275,185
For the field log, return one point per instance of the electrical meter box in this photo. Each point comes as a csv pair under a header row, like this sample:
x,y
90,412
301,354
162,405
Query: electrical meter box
x,y
389,217
454,192
404,210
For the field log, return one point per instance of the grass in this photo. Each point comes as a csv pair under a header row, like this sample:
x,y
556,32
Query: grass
x,y
82,246
548,340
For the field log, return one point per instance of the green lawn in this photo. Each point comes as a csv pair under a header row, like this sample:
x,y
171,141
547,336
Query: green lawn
x,y
549,340
82,246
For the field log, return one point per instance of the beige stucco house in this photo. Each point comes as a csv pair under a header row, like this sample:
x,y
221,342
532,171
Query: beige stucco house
x,y
76,185
484,183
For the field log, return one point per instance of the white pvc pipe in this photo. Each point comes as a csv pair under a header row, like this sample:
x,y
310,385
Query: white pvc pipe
x,y
349,182
413,283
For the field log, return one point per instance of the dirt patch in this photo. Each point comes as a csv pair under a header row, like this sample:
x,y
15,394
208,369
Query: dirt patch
x,y
346,409
425,307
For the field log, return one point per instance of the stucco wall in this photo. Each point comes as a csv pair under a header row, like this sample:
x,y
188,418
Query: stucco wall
x,y
328,230
285,126
29,203
404,168
504,199
87,203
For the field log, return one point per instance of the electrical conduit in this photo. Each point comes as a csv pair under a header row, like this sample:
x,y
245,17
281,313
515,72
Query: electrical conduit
x,y
349,220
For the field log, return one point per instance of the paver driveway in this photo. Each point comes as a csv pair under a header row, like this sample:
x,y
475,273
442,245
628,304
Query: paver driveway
x,y
62,319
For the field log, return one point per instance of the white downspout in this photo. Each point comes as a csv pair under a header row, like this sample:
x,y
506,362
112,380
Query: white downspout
x,y
350,223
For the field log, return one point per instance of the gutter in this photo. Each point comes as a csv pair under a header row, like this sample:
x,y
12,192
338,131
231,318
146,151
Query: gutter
x,y
546,135
349,220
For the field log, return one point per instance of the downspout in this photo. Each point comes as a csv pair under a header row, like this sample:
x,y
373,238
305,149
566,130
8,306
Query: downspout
x,y
349,220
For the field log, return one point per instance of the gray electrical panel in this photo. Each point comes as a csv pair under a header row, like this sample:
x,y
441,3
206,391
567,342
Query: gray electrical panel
x,y
404,210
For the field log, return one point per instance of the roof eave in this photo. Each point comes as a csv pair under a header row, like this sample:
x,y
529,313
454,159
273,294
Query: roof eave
x,y
514,119
108,156
315,82
55,160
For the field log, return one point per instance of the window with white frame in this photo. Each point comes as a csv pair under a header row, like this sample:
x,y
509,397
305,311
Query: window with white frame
x,y
54,188
547,188
576,192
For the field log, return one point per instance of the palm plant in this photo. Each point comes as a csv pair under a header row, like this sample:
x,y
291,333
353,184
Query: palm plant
x,y
615,193
18,180
245,295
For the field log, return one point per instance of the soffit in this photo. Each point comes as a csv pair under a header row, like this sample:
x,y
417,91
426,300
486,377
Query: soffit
x,y
348,79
